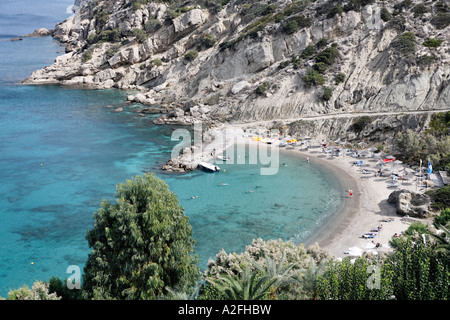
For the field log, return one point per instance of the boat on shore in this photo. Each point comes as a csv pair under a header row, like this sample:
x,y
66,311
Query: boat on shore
x,y
208,167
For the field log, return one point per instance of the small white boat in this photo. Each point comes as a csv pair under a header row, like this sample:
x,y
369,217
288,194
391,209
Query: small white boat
x,y
208,167
223,158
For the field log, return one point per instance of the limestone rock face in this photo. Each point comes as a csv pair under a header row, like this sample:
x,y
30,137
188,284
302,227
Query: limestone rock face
x,y
193,18
238,54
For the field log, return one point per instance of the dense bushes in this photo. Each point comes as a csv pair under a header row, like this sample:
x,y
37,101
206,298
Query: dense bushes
x,y
405,44
313,78
360,123
191,55
412,146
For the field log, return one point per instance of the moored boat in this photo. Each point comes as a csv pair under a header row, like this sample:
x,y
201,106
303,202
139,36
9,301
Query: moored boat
x,y
208,167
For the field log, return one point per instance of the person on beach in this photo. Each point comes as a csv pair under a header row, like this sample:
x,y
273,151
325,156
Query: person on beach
x,y
350,191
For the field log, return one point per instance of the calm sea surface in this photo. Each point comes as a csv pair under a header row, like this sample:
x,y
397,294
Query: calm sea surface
x,y
62,151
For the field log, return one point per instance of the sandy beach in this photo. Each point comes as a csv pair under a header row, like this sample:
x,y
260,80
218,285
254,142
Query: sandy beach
x,y
362,211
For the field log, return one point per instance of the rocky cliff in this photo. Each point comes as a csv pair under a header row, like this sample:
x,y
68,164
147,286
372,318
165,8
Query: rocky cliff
x,y
243,60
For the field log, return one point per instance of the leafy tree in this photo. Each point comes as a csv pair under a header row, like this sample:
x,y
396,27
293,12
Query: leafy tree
x,y
345,280
420,272
140,245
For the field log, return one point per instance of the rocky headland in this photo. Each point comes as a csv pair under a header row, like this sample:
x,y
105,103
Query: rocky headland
x,y
348,69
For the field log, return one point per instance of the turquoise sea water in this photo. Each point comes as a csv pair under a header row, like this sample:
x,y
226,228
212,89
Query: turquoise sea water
x,y
62,151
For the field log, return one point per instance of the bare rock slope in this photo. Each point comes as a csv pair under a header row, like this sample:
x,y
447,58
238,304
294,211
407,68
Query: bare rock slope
x,y
244,61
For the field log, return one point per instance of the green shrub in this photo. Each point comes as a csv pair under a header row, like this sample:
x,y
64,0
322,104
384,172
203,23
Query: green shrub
x,y
207,40
296,62
322,43
385,15
442,7
320,67
191,55
356,5
397,23
327,93
140,35
313,78
405,44
440,197
155,62
328,56
152,25
262,88
101,18
87,55
112,51
339,78
432,43
443,218
336,10
105,36
426,60
441,20
308,52
419,10
360,123
290,26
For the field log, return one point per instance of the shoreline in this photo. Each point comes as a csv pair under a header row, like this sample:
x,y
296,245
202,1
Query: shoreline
x,y
357,213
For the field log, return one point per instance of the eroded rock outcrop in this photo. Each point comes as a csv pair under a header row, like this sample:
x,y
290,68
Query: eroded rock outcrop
x,y
247,65
413,204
